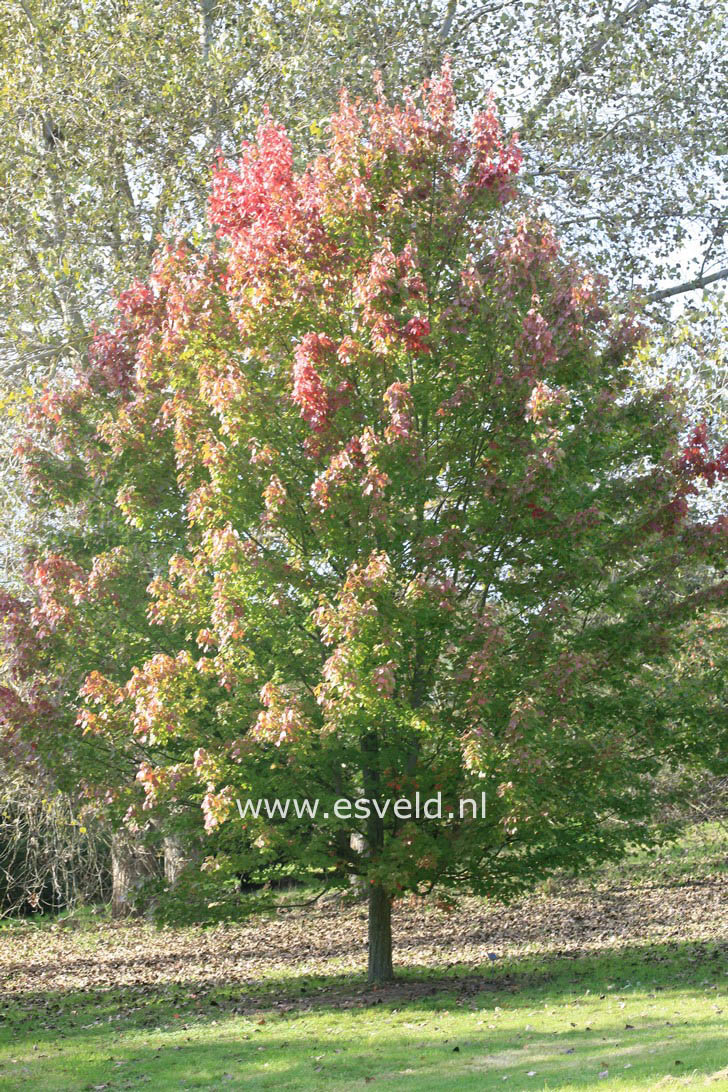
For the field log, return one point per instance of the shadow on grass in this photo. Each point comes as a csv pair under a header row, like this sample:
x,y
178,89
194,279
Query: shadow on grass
x,y
308,1032
560,974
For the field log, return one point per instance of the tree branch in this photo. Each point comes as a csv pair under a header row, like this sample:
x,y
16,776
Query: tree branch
x,y
447,24
687,286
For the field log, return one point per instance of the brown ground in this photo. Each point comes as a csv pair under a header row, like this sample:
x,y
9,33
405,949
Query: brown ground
x,y
329,940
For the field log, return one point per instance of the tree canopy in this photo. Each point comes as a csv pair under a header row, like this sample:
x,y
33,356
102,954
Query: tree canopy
x,y
415,525
111,114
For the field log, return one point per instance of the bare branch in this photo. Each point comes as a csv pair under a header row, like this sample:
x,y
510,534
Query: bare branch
x,y
687,286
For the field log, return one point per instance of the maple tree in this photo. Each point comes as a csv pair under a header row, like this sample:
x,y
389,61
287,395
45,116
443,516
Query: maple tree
x,y
412,525
619,105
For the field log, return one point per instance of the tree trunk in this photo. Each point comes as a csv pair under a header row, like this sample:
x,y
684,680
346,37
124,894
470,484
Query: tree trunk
x,y
358,844
380,936
178,853
131,864
380,902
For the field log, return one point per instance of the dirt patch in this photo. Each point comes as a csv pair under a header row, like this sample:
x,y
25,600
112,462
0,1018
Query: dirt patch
x,y
330,939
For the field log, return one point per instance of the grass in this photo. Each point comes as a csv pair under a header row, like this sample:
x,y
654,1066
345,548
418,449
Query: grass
x,y
632,1013
701,854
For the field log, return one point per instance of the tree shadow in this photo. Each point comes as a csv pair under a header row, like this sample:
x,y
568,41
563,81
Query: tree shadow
x,y
159,1034
560,971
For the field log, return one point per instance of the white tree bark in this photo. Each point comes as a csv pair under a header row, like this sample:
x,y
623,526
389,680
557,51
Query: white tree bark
x,y
131,864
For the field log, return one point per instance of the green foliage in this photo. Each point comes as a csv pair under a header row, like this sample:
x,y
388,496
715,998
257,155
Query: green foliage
x,y
413,526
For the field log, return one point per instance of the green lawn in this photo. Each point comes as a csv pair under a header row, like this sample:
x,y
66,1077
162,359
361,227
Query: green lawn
x,y
622,1012
700,854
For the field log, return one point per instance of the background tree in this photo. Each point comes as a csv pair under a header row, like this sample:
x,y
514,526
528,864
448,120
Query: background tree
x,y
111,114
437,537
